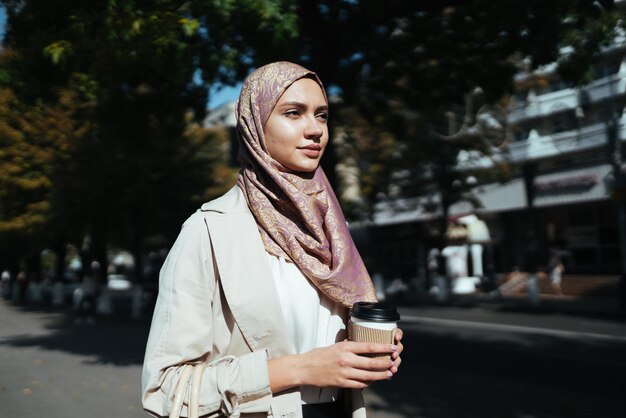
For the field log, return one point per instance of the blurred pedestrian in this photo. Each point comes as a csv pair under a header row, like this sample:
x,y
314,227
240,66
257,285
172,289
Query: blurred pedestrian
x,y
5,284
432,264
86,294
259,280
21,281
556,269
477,237
438,286
514,283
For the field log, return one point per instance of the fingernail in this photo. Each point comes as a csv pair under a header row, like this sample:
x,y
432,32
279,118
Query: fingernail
x,y
393,363
389,374
394,347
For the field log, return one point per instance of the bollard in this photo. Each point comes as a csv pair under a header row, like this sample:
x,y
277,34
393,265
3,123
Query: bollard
x,y
137,305
532,284
103,304
58,295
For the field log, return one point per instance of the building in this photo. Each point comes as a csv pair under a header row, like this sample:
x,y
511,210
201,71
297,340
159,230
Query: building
x,y
223,117
565,152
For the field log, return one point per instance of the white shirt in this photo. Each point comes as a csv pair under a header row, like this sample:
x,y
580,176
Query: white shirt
x,y
312,321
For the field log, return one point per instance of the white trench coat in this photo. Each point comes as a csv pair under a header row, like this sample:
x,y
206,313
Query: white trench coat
x,y
217,301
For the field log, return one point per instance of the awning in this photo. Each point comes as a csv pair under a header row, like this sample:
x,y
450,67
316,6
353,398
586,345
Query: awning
x,y
564,187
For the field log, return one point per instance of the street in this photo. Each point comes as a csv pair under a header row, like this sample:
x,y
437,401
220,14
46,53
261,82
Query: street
x,y
55,368
479,363
458,362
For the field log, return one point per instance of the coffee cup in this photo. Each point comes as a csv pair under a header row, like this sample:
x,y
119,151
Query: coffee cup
x,y
374,322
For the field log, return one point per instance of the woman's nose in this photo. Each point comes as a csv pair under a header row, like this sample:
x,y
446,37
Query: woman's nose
x,y
314,128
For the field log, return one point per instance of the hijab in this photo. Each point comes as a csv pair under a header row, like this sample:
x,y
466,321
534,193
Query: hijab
x,y
298,216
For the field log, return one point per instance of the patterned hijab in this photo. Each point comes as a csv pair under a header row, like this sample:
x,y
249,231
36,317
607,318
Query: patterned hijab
x,y
299,217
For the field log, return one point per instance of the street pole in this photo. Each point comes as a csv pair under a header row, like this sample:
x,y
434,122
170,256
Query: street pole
x,y
618,193
529,172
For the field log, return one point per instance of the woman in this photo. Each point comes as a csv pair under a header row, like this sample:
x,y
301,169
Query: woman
x,y
259,280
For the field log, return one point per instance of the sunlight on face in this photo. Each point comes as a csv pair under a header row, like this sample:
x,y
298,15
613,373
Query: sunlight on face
x,y
296,132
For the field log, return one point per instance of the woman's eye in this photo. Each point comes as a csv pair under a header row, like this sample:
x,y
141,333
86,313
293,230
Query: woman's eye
x,y
322,116
292,113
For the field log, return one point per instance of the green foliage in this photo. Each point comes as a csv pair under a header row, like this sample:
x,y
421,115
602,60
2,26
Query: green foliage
x,y
100,101
410,68
58,51
108,88
365,151
585,33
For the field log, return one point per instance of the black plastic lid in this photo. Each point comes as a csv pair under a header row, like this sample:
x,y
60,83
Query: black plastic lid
x,y
375,312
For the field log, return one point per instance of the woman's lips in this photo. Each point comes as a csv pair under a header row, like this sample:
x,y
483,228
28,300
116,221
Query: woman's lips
x,y
311,151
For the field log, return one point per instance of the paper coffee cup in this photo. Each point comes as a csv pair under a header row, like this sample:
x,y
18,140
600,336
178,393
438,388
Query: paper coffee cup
x,y
373,322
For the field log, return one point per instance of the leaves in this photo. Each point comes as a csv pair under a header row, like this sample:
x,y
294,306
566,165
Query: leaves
x,y
412,70
190,26
101,142
58,51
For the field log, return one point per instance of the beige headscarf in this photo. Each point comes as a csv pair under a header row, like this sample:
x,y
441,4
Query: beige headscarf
x,y
299,218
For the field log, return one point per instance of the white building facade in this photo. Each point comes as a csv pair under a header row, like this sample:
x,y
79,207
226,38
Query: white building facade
x,y
572,140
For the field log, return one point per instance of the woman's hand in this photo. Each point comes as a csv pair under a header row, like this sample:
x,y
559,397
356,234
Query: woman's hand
x,y
339,365
395,356
342,365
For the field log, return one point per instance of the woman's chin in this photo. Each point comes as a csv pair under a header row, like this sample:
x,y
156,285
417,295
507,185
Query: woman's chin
x,y
304,169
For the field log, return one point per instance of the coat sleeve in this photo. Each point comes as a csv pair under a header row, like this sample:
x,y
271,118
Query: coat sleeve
x,y
181,332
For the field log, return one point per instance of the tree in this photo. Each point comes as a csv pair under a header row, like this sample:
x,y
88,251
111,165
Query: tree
x,y
133,174
23,183
436,76
37,142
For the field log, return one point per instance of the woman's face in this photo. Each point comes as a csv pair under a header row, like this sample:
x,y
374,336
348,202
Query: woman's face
x,y
296,132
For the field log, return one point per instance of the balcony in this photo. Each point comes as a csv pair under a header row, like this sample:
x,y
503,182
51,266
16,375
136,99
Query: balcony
x,y
587,138
543,105
539,147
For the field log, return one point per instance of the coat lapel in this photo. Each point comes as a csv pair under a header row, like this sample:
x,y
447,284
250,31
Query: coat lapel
x,y
245,274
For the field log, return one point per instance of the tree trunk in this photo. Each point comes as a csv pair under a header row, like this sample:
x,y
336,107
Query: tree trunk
x,y
60,250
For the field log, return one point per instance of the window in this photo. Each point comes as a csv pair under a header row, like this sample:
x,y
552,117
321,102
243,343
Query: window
x,y
563,122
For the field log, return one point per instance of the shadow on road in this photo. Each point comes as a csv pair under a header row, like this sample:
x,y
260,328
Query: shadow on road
x,y
447,372
604,308
484,375
109,341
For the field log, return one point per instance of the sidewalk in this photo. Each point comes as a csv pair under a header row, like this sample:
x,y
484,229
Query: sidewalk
x,y
605,306
51,366
566,304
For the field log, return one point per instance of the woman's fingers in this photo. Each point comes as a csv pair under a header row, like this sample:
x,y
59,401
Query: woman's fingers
x,y
371,364
396,354
344,365
369,377
399,345
366,363
370,348
397,362
357,384
366,370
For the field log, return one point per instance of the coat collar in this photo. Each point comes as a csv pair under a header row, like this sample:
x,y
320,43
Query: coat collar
x,y
231,202
245,273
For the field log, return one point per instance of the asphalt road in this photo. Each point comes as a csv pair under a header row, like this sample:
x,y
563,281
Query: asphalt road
x,y
458,362
52,367
483,363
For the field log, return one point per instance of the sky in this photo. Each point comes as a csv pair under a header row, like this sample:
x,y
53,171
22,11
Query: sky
x,y
218,95
3,19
